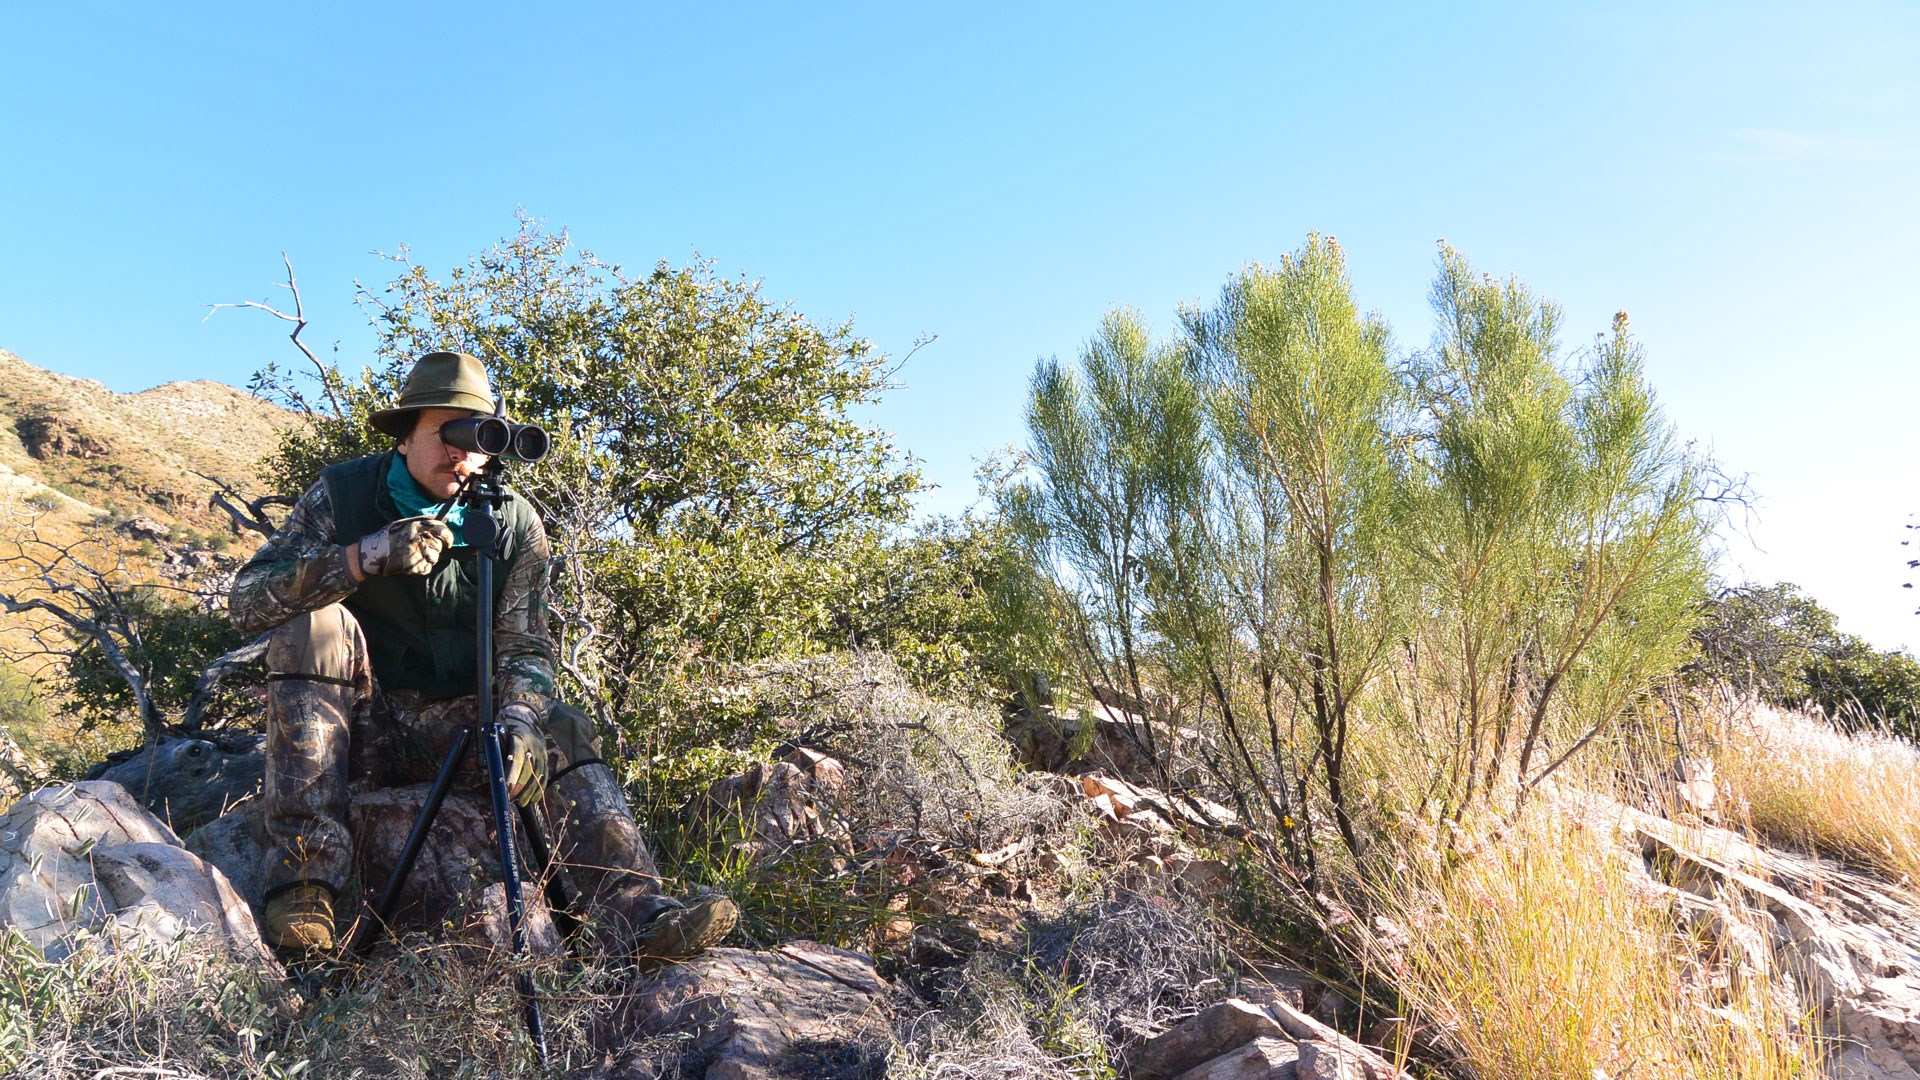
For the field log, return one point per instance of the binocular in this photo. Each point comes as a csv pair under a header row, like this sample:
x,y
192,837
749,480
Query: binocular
x,y
496,436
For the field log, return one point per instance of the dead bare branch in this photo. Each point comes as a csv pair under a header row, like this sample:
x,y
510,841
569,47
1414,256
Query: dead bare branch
x,y
299,320
214,673
248,514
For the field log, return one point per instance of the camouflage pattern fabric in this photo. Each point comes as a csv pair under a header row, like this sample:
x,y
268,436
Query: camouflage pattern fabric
x,y
303,567
408,546
331,731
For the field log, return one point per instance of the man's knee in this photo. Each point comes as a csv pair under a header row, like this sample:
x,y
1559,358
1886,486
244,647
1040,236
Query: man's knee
x,y
320,643
573,734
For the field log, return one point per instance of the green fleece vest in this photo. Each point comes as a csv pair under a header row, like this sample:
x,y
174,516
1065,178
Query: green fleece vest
x,y
419,627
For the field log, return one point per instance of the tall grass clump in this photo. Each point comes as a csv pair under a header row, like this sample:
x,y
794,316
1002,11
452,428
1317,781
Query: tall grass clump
x,y
1539,956
1801,782
181,1011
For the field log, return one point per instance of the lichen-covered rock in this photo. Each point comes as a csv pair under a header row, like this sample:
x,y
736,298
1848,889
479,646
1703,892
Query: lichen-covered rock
x,y
802,1009
86,860
776,808
187,782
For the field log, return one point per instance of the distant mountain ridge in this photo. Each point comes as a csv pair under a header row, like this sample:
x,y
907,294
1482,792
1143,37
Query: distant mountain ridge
x,y
80,450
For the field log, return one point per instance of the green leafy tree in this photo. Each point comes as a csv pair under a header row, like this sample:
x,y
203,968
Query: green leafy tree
x,y
1561,529
1778,644
710,489
1107,437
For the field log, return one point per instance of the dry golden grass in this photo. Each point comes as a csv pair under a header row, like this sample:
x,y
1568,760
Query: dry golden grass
x,y
1799,781
186,1010
1539,958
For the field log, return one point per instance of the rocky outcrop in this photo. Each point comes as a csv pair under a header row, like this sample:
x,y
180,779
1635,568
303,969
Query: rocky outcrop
x,y
85,861
1106,737
776,809
801,1009
1847,941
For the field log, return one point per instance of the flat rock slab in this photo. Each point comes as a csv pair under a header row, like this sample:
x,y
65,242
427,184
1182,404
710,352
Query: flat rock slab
x,y
1215,1030
1235,1039
1261,1059
802,1009
86,859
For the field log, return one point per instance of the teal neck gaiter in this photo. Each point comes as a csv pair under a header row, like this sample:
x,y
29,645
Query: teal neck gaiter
x,y
415,503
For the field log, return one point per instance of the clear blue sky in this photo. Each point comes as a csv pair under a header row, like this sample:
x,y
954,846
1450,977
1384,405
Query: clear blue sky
x,y
1739,177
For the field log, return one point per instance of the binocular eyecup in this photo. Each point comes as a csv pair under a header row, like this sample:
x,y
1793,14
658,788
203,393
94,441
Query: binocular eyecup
x,y
496,437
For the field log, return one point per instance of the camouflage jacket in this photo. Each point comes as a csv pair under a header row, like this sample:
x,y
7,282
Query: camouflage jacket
x,y
301,568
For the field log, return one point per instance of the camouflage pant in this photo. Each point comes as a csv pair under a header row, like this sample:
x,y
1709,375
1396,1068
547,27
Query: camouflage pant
x,y
331,732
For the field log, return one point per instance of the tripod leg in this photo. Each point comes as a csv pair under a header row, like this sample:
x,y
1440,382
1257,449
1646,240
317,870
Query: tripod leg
x,y
563,896
397,880
510,877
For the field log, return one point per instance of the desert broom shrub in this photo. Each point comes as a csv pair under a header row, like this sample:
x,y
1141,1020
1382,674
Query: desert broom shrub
x,y
1491,550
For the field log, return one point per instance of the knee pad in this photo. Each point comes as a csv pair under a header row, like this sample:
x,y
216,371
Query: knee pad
x,y
323,644
573,734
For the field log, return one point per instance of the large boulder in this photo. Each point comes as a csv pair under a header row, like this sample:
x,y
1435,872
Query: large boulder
x,y
802,1009
85,861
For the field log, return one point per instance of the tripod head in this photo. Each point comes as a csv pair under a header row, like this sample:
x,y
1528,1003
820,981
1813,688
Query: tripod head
x,y
483,494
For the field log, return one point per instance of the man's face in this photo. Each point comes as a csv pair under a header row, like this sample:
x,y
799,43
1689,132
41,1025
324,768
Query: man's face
x,y
437,467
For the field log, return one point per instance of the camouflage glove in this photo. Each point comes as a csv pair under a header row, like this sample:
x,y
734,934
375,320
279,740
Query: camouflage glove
x,y
408,546
523,747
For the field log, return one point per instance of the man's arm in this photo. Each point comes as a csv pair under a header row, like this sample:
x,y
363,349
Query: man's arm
x,y
298,569
522,644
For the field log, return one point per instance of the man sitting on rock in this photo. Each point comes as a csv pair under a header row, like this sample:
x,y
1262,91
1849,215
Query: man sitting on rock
x,y
371,675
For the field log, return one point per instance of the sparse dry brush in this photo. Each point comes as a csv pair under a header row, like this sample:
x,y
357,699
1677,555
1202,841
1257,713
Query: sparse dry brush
x,y
1799,782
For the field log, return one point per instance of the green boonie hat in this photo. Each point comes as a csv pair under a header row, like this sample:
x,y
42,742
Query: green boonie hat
x,y
439,380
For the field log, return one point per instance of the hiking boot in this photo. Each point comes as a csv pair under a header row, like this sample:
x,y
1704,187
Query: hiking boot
x,y
682,932
300,919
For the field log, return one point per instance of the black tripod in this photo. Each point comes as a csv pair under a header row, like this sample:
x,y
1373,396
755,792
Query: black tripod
x,y
482,494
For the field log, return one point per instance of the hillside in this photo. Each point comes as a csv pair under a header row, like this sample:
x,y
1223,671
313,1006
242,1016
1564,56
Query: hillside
x,y
124,455
122,481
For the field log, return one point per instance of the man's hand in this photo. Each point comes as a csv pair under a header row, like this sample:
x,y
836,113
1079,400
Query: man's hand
x,y
408,546
523,746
